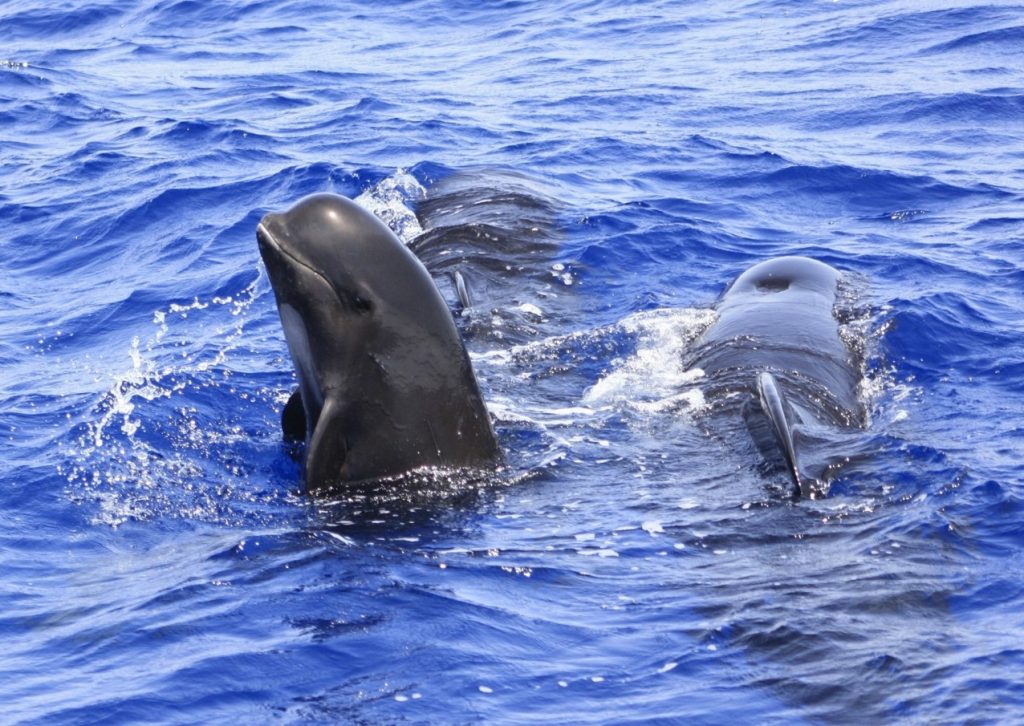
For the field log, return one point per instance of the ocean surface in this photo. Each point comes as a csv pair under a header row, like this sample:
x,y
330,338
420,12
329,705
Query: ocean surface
x,y
159,560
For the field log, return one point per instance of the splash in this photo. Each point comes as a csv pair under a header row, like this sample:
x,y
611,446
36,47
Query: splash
x,y
145,451
389,200
862,327
654,378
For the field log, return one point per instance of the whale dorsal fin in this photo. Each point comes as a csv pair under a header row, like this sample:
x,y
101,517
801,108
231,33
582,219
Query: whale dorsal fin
x,y
463,290
775,406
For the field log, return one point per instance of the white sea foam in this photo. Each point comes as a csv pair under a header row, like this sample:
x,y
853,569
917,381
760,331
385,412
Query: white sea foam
x,y
654,378
390,198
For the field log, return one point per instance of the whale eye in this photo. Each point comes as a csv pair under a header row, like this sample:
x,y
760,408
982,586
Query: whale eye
x,y
361,304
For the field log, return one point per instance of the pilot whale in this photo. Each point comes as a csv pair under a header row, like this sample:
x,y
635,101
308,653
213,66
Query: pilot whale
x,y
775,357
490,239
385,385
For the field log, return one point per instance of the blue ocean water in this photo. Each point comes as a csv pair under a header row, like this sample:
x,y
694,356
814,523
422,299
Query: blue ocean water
x,y
159,561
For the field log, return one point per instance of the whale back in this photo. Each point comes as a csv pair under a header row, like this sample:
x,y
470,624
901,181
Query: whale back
x,y
776,359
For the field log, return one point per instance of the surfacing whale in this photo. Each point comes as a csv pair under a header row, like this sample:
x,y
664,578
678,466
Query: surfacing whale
x,y
385,383
491,240
776,358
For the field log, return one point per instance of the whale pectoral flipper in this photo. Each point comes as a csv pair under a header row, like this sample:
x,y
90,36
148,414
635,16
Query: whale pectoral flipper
x,y
327,450
293,419
773,402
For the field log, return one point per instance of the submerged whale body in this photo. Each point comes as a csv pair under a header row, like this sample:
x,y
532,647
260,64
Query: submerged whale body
x,y
385,383
490,238
776,358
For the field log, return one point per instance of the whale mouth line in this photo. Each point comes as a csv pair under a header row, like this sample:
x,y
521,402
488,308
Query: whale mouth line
x,y
265,237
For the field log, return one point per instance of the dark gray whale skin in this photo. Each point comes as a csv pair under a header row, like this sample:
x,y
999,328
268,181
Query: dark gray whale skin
x,y
385,383
776,358
490,237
